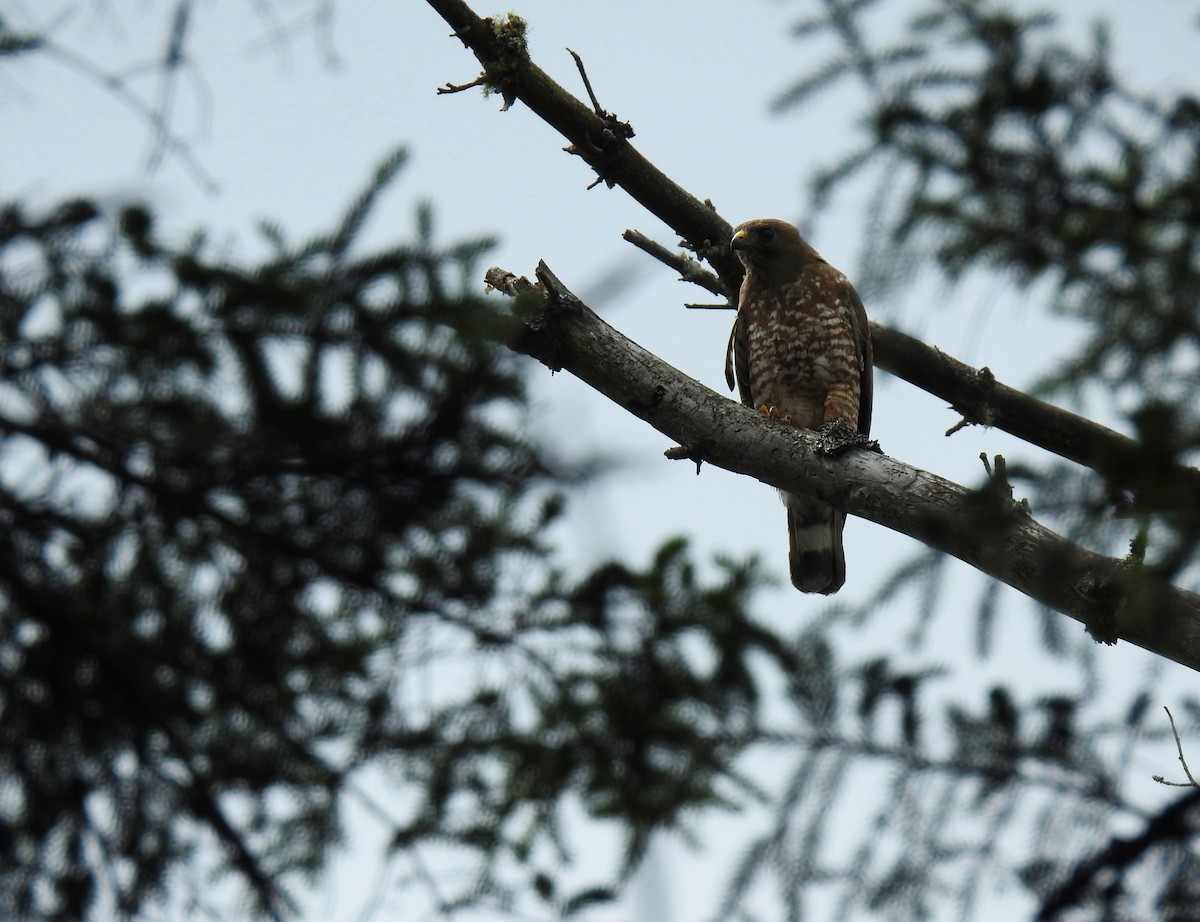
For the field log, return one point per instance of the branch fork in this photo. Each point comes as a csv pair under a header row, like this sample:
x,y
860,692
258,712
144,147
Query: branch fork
x,y
1008,544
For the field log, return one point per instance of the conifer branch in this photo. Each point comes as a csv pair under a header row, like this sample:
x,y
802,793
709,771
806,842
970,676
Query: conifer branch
x,y
1169,824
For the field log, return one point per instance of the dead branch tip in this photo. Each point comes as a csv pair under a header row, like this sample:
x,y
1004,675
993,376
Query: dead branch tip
x,y
459,87
683,453
961,424
587,85
509,283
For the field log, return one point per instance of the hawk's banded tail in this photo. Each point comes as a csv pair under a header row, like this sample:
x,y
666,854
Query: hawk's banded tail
x,y
815,554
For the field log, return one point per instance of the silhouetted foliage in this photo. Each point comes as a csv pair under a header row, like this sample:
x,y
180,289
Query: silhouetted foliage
x,y
272,538
232,498
1003,146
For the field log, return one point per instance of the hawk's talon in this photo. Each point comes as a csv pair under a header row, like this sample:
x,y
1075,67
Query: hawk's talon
x,y
837,436
774,413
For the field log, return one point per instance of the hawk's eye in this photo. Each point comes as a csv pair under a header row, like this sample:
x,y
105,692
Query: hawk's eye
x,y
766,234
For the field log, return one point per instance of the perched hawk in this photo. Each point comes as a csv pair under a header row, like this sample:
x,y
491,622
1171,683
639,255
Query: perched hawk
x,y
800,350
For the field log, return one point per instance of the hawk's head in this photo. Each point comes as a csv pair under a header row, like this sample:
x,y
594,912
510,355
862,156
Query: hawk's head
x,y
772,250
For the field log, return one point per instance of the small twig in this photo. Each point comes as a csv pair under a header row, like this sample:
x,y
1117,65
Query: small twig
x,y
587,85
1191,782
1002,470
459,87
961,424
615,130
688,267
173,60
683,453
724,306
998,484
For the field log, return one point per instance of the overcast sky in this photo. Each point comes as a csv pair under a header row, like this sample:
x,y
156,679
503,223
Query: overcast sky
x,y
291,132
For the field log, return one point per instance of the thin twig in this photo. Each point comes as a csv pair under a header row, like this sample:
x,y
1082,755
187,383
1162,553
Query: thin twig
x,y
688,267
459,87
173,61
614,131
1191,782
587,85
961,424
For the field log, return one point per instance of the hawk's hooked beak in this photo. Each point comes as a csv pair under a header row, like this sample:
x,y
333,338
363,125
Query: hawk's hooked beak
x,y
739,241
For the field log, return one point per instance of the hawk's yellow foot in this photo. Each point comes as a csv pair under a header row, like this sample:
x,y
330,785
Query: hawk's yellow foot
x,y
774,413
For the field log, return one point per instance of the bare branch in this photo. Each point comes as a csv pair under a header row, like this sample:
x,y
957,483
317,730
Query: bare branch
x,y
974,393
459,87
688,267
613,158
1191,782
981,399
986,529
587,85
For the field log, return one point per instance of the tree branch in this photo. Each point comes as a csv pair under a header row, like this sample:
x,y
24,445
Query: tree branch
x,y
980,398
688,267
974,393
1191,781
509,71
986,528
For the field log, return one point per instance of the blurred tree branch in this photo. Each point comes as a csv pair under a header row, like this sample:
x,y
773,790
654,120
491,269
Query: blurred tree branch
x,y
157,115
157,109
1121,853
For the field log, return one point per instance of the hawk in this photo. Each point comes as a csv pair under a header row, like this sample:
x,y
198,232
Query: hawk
x,y
800,351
